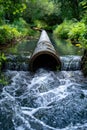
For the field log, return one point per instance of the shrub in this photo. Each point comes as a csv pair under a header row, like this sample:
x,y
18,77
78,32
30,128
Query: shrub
x,y
62,30
40,24
22,27
19,28
3,80
76,31
83,40
78,34
2,60
7,34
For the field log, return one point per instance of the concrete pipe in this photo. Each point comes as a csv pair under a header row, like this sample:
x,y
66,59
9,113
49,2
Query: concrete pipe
x,y
44,55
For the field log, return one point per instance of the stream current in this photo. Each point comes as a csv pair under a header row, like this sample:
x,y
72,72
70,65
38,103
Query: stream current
x,y
45,100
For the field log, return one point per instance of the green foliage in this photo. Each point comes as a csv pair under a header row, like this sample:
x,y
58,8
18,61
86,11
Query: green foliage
x,y
69,8
3,80
43,15
83,6
7,34
19,23
62,30
22,27
42,11
2,60
76,31
12,9
83,39
11,32
39,9
40,24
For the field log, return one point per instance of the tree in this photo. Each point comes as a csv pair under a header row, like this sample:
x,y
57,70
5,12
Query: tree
x,y
70,9
12,8
83,6
41,10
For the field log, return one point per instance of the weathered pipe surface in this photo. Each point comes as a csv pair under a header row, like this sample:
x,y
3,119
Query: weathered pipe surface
x,y
44,55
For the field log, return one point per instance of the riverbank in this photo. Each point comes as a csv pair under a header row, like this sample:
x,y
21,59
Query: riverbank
x,y
26,48
76,32
15,32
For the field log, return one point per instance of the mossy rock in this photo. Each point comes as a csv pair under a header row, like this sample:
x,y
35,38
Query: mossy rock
x,y
84,63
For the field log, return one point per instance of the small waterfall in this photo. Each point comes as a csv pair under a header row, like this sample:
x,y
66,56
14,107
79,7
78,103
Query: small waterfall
x,y
21,63
45,100
71,63
17,62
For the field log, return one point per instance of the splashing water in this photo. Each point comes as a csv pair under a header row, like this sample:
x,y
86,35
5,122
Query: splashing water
x,y
45,100
71,62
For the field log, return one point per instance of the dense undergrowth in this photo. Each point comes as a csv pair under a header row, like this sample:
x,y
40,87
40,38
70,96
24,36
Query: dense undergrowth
x,y
3,80
76,31
14,31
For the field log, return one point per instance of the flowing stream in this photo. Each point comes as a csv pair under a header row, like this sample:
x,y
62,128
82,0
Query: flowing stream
x,y
45,100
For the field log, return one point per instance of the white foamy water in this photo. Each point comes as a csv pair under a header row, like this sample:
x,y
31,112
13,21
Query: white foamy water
x,y
45,100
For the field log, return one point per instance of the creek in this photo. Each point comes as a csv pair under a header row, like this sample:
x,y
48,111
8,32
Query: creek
x,y
45,100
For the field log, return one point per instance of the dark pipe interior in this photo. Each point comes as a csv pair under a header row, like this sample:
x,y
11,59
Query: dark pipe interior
x,y
45,61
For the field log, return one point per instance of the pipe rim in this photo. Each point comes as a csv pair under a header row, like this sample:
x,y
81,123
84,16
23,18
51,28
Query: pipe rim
x,y
36,55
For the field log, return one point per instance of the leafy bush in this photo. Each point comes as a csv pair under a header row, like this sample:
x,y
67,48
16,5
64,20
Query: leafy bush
x,y
62,30
22,27
2,60
40,24
77,30
3,80
78,34
83,39
73,30
8,33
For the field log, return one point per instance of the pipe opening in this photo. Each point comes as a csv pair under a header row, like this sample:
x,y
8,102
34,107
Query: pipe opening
x,y
46,61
